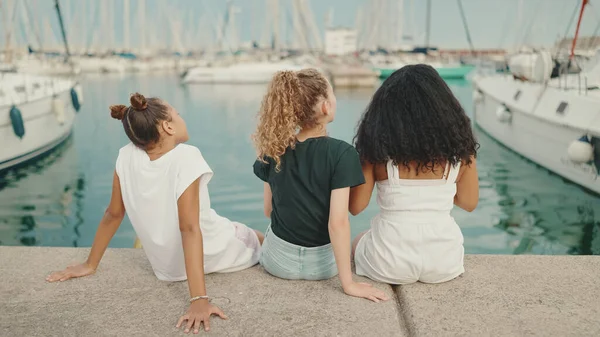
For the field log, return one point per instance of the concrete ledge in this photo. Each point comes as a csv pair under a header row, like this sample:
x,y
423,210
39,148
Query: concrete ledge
x,y
124,298
509,296
497,296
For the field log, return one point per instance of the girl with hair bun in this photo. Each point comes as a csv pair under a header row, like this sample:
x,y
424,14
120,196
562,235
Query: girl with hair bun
x,y
162,184
307,179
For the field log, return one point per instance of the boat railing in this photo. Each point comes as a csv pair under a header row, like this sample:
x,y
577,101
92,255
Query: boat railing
x,y
582,78
22,88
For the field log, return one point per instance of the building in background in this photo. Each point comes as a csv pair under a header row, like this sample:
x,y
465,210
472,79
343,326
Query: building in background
x,y
586,45
340,41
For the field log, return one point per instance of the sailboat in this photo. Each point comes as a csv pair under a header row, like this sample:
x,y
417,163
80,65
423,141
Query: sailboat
x,y
36,113
260,68
554,122
385,65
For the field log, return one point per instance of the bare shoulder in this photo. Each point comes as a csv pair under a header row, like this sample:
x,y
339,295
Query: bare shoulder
x,y
380,172
466,166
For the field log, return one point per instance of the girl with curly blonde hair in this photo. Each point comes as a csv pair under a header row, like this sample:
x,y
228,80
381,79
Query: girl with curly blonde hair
x,y
307,179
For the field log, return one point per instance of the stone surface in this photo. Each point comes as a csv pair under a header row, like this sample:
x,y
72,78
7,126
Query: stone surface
x,y
497,296
124,298
509,296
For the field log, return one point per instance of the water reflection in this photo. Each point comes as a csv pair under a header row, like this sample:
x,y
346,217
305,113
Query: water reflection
x,y
37,199
59,200
539,211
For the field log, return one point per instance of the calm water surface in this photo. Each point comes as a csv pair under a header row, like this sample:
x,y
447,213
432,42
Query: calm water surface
x,y
59,200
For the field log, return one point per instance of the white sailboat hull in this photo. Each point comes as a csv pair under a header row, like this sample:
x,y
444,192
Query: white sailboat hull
x,y
238,74
102,65
44,129
536,130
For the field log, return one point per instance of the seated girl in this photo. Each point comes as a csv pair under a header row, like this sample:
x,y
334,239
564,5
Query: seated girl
x,y
162,185
416,144
307,178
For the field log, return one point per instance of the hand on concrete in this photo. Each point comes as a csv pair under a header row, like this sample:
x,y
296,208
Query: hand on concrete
x,y
78,270
199,311
365,290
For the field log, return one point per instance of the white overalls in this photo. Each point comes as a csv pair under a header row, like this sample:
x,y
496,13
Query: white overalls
x,y
414,237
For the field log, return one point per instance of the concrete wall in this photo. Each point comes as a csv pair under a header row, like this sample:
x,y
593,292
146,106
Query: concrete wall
x,y
497,296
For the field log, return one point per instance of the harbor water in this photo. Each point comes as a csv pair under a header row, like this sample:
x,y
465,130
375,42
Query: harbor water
x,y
59,199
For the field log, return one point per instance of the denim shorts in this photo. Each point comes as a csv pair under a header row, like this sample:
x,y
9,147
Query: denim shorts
x,y
289,261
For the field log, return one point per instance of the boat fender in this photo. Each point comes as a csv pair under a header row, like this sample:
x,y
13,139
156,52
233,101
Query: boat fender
x,y
76,98
503,114
596,144
79,92
58,108
581,150
17,121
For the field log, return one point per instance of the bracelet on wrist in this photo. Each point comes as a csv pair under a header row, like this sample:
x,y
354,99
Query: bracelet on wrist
x,y
199,298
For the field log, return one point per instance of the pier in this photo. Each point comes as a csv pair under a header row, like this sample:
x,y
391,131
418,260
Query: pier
x,y
497,296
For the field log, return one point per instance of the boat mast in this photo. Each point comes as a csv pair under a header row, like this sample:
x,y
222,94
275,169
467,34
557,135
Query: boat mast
x,y
27,19
126,25
276,13
82,23
104,34
311,24
62,29
92,38
9,26
142,22
383,18
296,42
413,27
567,28
358,27
428,26
373,26
300,40
466,26
400,24
585,2
111,25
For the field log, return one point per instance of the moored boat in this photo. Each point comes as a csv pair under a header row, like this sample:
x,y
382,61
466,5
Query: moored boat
x,y
36,114
554,122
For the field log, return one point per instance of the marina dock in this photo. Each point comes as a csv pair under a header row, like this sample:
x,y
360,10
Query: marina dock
x,y
497,296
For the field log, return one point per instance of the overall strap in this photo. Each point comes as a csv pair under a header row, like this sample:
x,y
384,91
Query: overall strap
x,y
392,172
453,173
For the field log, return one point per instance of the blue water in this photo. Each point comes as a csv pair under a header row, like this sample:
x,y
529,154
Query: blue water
x,y
59,200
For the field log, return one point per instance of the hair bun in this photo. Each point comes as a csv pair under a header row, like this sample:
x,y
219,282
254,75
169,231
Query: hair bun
x,y
118,111
138,102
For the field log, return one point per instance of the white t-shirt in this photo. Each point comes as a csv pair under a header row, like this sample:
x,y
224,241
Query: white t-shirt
x,y
150,192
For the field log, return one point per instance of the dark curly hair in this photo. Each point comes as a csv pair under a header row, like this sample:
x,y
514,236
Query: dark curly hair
x,y
414,117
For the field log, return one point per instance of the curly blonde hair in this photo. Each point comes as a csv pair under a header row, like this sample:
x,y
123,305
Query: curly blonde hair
x,y
289,105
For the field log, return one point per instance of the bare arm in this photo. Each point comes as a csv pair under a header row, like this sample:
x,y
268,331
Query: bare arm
x,y
267,202
191,237
113,216
339,232
467,187
200,310
110,222
360,196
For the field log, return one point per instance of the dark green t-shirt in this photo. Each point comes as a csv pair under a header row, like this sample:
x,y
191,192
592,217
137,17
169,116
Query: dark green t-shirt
x,y
302,188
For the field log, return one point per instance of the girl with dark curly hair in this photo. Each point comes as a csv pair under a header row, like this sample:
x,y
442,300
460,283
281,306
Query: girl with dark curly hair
x,y
307,179
416,144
